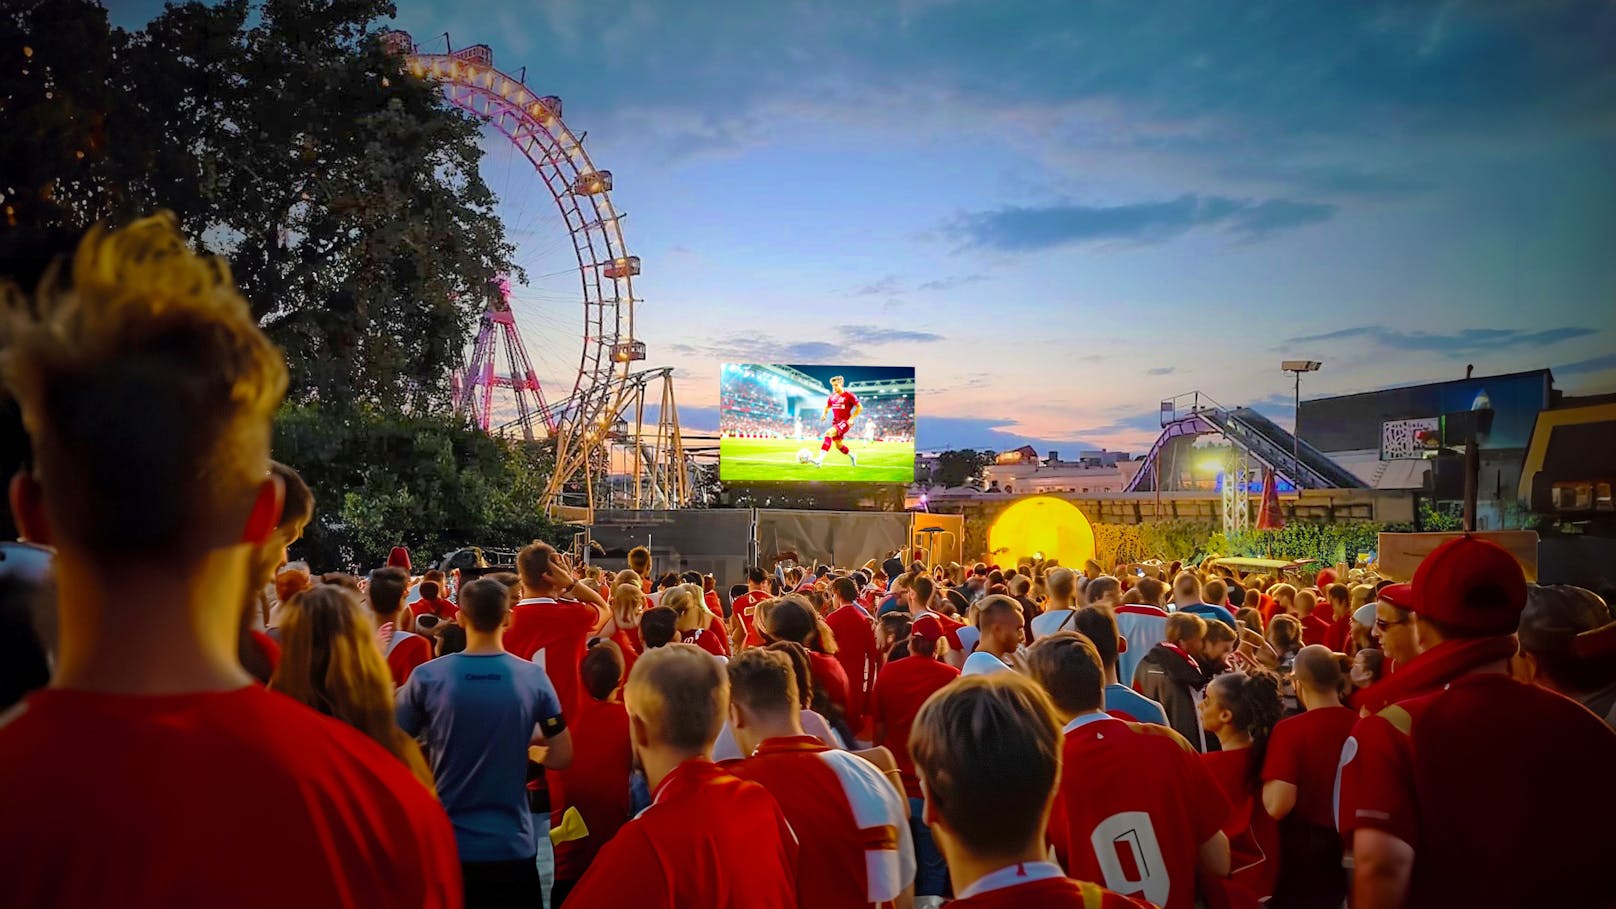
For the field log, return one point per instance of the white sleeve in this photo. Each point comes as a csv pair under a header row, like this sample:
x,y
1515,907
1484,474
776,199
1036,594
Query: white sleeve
x,y
876,804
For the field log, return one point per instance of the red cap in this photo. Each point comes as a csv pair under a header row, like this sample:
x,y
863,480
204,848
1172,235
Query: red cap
x,y
1325,578
926,628
1472,586
399,558
1399,595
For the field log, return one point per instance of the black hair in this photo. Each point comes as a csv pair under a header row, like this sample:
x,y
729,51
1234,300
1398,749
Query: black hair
x,y
1255,706
691,577
736,591
451,638
658,626
601,670
756,574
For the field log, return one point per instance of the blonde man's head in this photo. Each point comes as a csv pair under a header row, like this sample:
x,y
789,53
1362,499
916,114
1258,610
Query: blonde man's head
x,y
679,694
147,390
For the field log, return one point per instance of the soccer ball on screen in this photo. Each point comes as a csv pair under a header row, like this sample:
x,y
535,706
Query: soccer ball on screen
x,y
804,456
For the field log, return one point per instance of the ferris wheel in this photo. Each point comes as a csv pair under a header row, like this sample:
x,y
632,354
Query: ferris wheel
x,y
571,260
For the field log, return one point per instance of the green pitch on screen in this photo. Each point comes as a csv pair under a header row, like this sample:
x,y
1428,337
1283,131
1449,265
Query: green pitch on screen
x,y
775,461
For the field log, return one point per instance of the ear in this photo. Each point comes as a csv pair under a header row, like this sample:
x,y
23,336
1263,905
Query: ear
x,y
266,511
1122,644
28,508
737,720
637,732
928,816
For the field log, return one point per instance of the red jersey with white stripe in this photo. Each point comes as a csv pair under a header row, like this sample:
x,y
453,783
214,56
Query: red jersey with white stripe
x,y
1134,806
744,606
709,839
841,406
554,634
856,826
855,650
404,652
902,687
1041,885
1143,627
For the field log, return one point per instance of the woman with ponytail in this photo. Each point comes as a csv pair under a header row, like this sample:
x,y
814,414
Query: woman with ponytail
x,y
1241,710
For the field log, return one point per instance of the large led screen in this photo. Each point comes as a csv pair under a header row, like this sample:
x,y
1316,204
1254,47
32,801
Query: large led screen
x,y
797,422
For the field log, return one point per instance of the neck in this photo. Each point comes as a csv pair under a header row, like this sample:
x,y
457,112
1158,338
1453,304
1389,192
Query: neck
x,y
1111,675
999,652
154,630
1233,739
1055,604
661,760
966,868
534,591
761,729
1314,699
484,641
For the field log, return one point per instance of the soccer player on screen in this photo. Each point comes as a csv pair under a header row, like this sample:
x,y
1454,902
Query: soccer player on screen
x,y
842,407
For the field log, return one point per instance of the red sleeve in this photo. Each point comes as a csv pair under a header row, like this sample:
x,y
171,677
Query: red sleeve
x,y
582,616
715,629
267,646
711,643
1376,775
410,653
1210,809
626,871
1283,761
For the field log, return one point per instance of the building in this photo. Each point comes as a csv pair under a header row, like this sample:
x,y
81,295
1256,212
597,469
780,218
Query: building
x,y
1022,471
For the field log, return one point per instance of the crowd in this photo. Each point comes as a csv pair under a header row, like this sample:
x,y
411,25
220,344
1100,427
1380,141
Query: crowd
x,y
221,725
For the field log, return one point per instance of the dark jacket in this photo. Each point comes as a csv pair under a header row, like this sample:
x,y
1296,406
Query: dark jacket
x,y
1164,676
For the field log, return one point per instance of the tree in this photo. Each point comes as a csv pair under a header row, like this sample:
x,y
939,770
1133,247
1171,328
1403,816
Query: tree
x,y
956,467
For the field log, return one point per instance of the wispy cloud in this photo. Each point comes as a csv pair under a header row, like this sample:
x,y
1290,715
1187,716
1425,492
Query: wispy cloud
x,y
885,287
847,345
953,281
1018,229
1592,364
1161,371
875,334
1469,340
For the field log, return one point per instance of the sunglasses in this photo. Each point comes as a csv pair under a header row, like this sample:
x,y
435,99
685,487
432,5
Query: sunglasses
x,y
1382,624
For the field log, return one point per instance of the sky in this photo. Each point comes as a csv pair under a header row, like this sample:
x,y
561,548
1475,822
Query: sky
x,y
1061,213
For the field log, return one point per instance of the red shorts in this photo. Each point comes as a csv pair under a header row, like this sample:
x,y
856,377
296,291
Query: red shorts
x,y
837,431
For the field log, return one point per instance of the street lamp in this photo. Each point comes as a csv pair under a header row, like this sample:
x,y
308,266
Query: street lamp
x,y
1480,423
1298,367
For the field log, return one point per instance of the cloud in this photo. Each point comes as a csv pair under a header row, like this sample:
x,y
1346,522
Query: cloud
x,y
1129,426
1019,229
1593,364
943,433
952,282
885,287
1329,179
1465,341
1161,371
748,347
874,334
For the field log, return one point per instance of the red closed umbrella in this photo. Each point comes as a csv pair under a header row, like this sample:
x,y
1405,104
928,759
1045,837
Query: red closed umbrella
x,y
1268,515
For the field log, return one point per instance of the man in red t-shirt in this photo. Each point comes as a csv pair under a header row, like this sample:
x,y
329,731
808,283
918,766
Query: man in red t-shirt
x,y
404,650
854,629
709,839
1481,790
154,345
853,821
1137,809
742,624
597,784
1339,597
552,622
988,797
899,691
1299,771
1315,628
432,601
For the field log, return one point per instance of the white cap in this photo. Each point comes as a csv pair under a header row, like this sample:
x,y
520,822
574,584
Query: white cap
x,y
1365,615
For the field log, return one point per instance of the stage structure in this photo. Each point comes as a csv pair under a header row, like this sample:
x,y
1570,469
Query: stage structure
x,y
585,420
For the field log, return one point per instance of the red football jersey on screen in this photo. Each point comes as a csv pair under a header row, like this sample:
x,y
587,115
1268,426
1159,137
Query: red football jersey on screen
x,y
709,839
841,406
1135,804
240,798
899,691
554,634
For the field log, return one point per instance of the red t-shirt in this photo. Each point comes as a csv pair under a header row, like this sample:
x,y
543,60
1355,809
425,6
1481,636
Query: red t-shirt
x,y
899,691
597,783
715,627
1305,751
268,648
828,674
405,652
554,634
1253,835
627,641
208,795
709,839
855,650
1134,806
1340,633
1502,789
855,825
745,606
705,639
1314,629
1049,893
441,608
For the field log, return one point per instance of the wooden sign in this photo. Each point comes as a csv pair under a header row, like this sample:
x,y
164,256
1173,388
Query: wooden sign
x,y
1401,553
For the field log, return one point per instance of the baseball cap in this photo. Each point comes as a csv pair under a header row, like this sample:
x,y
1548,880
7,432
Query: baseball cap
x,y
1555,615
926,628
1399,595
1470,585
1365,615
1325,578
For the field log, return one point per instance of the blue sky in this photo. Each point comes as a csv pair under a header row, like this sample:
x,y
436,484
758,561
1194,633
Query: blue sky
x,y
1062,212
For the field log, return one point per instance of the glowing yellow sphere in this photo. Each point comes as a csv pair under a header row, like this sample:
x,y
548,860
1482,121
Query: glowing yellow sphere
x,y
1045,525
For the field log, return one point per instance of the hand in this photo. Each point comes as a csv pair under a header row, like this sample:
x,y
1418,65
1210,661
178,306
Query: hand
x,y
561,573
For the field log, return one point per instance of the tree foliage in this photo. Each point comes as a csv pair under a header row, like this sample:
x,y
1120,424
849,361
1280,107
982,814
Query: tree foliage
x,y
955,468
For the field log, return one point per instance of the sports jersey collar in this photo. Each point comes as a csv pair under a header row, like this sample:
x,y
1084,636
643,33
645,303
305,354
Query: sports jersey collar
x,y
791,744
690,774
1084,720
1010,876
530,601
1183,653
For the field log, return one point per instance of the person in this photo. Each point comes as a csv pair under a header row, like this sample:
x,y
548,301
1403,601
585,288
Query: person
x,y
139,352
1366,668
1299,785
330,663
1216,593
1241,709
1394,625
1000,623
551,624
891,631
742,626
1100,627
403,649
1062,604
291,579
1339,596
709,838
839,805
897,599
1281,601
596,785
623,628
900,689
297,511
1304,606
793,620
1568,644
658,627
842,407
479,711
1187,598
1136,811
693,619
1420,797
854,630
432,601
1021,589
989,798
1143,625
1216,648
639,562
1171,676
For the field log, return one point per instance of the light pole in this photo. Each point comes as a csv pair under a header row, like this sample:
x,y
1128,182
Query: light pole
x,y
1476,429
1298,367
